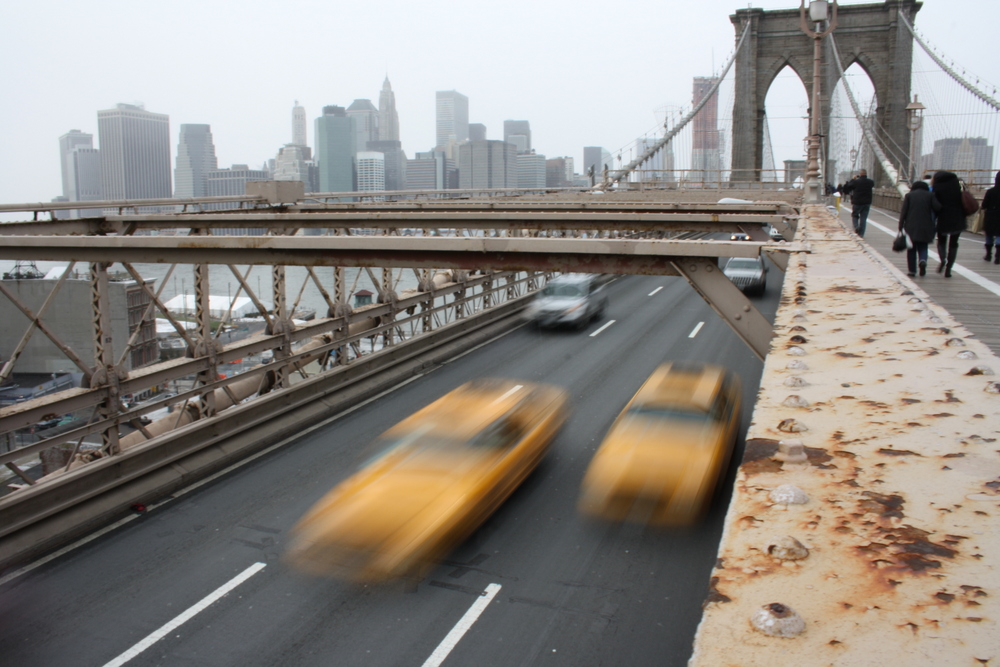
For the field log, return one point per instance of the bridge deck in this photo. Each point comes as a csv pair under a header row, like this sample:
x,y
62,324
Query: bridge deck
x,y
900,478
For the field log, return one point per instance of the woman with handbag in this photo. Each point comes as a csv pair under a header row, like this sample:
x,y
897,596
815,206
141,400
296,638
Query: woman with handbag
x,y
991,219
916,220
947,189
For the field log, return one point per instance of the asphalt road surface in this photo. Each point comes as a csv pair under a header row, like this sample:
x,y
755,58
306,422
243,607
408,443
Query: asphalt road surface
x,y
199,580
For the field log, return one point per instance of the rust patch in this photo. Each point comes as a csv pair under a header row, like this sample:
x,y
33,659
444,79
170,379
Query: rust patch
x,y
913,424
758,456
714,595
949,397
847,355
846,455
874,404
956,455
846,289
818,457
941,415
798,340
910,401
993,485
886,506
896,452
944,597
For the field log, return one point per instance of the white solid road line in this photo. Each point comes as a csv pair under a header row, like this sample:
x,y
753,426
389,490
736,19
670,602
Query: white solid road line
x,y
655,291
694,332
463,625
610,322
186,616
957,268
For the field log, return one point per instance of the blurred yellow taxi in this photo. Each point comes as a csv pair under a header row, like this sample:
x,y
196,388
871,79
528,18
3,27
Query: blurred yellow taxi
x,y
437,475
661,459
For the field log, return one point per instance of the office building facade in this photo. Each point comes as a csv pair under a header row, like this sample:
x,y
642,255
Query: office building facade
x,y
518,132
80,164
431,170
299,137
706,146
388,119
365,117
336,142
371,173
477,132
487,164
530,170
452,118
195,158
135,153
394,161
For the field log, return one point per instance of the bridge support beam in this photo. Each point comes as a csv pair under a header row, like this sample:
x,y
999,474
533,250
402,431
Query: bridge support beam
x,y
728,301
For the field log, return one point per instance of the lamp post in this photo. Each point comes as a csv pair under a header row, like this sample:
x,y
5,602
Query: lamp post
x,y
819,11
914,120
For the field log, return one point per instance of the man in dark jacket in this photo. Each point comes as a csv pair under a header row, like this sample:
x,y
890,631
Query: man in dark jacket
x,y
860,189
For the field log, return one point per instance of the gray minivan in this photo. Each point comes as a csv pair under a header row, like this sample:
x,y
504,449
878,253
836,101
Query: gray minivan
x,y
571,299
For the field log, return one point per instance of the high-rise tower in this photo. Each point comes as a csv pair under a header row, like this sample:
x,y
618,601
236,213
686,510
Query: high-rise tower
x,y
335,150
135,152
365,117
388,119
195,158
518,132
81,170
299,125
452,117
706,156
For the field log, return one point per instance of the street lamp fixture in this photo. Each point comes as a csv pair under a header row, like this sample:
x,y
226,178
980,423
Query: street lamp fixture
x,y
914,120
819,12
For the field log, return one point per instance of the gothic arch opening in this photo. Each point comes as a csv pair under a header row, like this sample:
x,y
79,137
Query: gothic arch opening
x,y
846,149
786,127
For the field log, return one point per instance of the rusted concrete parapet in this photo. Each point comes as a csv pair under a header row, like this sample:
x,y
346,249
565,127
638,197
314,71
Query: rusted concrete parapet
x,y
884,541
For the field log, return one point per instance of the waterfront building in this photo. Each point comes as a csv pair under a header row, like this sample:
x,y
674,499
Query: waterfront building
x,y
394,161
135,153
371,173
431,170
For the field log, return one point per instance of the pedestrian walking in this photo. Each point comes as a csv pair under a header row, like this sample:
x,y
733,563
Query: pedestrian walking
x,y
860,188
991,220
916,220
947,190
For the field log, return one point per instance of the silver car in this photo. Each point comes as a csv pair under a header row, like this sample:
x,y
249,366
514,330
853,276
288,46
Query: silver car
x,y
747,273
572,299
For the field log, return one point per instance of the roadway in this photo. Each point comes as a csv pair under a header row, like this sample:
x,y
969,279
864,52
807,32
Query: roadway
x,y
572,592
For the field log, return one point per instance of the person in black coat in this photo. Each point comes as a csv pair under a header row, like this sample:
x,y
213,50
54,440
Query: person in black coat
x,y
917,219
947,190
860,189
991,219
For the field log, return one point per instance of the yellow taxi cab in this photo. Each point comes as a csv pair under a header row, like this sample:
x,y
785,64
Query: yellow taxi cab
x,y
661,459
438,474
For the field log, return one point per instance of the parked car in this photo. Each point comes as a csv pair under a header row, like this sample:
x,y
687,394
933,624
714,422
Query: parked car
x,y
747,273
571,299
662,458
434,478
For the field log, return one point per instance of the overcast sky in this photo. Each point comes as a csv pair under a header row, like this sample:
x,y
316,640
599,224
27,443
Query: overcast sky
x,y
582,72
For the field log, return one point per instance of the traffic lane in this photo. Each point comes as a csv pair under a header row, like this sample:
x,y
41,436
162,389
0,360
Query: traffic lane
x,y
247,519
591,592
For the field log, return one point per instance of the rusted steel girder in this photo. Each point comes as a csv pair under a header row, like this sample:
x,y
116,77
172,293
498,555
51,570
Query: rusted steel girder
x,y
728,301
619,256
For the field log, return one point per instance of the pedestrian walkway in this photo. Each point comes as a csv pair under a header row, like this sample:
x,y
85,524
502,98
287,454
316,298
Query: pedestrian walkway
x,y
971,295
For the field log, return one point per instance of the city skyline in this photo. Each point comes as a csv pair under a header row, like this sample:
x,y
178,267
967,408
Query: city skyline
x,y
580,97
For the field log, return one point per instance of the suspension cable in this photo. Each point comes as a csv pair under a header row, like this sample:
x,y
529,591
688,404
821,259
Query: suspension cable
x,y
965,84
648,153
887,166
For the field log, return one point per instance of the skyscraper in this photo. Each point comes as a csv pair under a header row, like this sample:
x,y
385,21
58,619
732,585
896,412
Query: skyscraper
x,y
232,181
706,156
518,132
371,172
388,119
530,170
452,117
365,117
431,170
299,125
488,164
81,170
195,158
395,163
135,152
477,132
335,150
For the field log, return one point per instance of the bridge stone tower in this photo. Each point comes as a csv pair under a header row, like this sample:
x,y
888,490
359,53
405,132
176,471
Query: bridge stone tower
x,y
871,35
